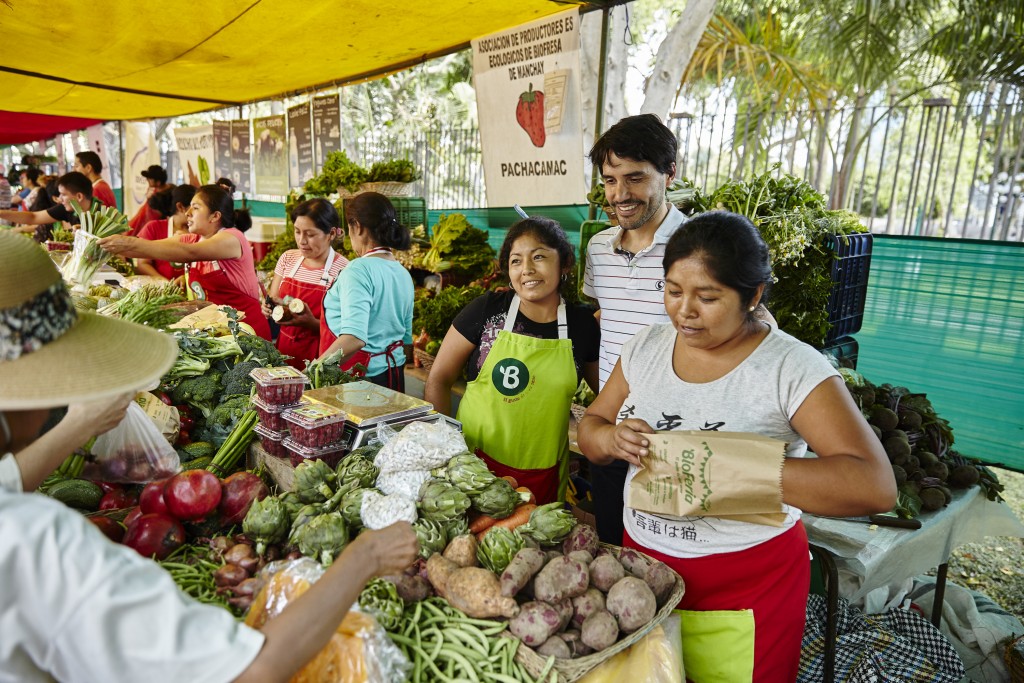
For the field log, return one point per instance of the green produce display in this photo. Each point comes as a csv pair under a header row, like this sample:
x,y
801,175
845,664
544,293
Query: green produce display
x,y
87,256
457,246
434,313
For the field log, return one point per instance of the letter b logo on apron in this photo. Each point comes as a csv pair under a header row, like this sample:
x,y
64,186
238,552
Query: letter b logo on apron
x,y
510,377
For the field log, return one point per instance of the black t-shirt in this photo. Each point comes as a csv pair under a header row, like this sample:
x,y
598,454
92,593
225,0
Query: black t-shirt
x,y
484,317
59,213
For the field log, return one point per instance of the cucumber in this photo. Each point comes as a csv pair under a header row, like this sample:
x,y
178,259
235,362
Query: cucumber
x,y
197,463
77,493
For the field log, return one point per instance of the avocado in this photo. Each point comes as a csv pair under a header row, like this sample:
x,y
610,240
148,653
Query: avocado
x,y
883,418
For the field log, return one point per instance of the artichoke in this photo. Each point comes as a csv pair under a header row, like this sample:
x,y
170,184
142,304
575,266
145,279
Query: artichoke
x,y
366,452
456,527
292,504
323,537
469,474
302,518
431,536
442,502
498,547
549,524
498,500
266,522
358,470
352,506
314,480
380,598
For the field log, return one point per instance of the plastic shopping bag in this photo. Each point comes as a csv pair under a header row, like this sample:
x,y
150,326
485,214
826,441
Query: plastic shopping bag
x,y
133,452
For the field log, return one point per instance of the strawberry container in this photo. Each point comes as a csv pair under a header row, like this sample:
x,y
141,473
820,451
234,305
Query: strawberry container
x,y
316,425
331,455
272,441
281,386
272,416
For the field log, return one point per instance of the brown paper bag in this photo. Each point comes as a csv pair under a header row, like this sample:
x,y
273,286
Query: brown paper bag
x,y
165,417
693,473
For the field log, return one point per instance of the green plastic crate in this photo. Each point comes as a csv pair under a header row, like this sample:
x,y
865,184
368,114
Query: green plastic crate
x,y
411,211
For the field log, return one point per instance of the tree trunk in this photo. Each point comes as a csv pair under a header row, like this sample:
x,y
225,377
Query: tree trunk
x,y
850,149
674,56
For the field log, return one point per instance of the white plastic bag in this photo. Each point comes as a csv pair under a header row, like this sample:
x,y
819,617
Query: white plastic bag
x,y
133,452
419,446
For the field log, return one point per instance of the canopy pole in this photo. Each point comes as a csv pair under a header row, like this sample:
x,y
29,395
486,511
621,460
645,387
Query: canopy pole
x,y
599,116
124,185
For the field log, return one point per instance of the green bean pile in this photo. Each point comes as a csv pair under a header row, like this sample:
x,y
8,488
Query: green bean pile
x,y
444,644
192,568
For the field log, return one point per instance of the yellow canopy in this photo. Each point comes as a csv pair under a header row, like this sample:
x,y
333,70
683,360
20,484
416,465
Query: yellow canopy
x,y
117,59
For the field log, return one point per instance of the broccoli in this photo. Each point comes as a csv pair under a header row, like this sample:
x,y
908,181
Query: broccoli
x,y
259,349
237,379
327,372
200,392
223,419
187,366
204,346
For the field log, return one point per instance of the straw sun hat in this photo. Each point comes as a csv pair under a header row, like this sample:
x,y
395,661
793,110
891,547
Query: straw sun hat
x,y
51,355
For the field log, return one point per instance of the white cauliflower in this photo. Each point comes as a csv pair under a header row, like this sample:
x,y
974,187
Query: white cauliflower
x,y
380,511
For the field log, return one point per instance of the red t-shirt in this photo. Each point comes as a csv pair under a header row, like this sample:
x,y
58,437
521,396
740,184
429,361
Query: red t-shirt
x,y
241,271
102,193
143,216
158,230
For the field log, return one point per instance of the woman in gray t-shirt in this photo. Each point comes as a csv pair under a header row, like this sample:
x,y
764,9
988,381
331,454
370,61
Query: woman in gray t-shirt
x,y
716,367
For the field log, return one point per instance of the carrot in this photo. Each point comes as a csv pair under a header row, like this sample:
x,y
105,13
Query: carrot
x,y
478,522
520,516
512,480
529,494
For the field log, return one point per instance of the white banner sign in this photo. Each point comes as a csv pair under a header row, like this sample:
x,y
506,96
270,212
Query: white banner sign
x,y
98,144
140,152
195,154
527,83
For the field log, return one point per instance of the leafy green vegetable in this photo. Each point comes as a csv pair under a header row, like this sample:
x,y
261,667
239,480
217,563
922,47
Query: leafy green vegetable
x,y
457,246
436,313
396,170
338,171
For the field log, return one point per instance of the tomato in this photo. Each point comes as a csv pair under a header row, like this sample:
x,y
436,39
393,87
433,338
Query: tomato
x,y
162,395
115,500
152,498
192,494
184,438
110,528
155,535
132,515
187,422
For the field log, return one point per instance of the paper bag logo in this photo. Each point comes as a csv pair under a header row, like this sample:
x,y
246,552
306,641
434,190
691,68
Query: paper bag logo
x,y
510,377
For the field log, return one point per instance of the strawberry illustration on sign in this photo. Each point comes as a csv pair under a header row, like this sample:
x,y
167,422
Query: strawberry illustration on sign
x,y
530,115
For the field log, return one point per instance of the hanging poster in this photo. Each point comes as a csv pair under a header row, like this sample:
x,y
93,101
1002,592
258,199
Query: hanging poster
x,y
195,152
300,145
241,156
221,150
98,144
270,156
140,152
527,83
326,127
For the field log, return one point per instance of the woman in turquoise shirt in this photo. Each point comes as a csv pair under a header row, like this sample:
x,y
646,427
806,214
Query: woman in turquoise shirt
x,y
368,309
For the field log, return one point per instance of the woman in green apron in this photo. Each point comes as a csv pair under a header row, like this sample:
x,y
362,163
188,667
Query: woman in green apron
x,y
525,351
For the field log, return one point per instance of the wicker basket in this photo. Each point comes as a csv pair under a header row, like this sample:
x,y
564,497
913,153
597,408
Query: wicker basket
x,y
573,669
423,359
388,188
344,192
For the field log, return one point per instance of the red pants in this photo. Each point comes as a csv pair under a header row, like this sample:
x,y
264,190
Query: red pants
x,y
772,579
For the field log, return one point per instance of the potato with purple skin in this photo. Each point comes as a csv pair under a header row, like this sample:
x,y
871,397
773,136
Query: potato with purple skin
x,y
662,580
524,565
565,610
555,646
600,630
634,561
576,645
584,605
632,603
561,578
581,556
605,572
582,537
535,623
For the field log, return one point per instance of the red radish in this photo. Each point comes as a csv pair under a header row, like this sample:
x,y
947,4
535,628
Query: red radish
x,y
132,515
239,491
117,499
155,535
110,528
192,494
152,497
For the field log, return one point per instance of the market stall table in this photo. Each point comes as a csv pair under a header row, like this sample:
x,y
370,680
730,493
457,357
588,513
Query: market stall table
x,y
870,557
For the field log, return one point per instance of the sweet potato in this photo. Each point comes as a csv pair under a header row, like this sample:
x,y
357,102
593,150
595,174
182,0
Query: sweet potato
x,y
554,646
581,556
535,623
582,537
605,572
599,630
584,605
561,578
632,603
525,563
635,562
439,570
476,591
462,551
661,580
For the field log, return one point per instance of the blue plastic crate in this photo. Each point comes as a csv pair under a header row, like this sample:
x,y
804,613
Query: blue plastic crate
x,y
850,269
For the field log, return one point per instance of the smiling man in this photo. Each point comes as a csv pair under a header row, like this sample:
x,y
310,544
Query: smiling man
x,y
624,274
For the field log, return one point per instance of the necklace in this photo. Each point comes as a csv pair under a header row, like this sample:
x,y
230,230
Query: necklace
x,y
377,250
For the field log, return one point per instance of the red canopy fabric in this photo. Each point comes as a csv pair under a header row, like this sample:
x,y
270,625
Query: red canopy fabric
x,y
17,127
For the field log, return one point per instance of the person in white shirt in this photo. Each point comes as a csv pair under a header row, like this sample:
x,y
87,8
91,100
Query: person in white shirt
x,y
75,606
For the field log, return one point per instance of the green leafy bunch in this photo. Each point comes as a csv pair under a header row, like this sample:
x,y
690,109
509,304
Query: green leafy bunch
x,y
458,246
436,313
338,171
396,170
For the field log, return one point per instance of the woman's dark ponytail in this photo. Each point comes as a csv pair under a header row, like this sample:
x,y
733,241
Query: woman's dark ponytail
x,y
376,213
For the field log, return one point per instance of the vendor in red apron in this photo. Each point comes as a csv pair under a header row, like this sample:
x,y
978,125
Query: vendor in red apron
x,y
305,274
525,352
178,200
219,262
368,310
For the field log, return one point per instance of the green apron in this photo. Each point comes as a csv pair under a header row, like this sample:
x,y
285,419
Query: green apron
x,y
515,414
718,646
